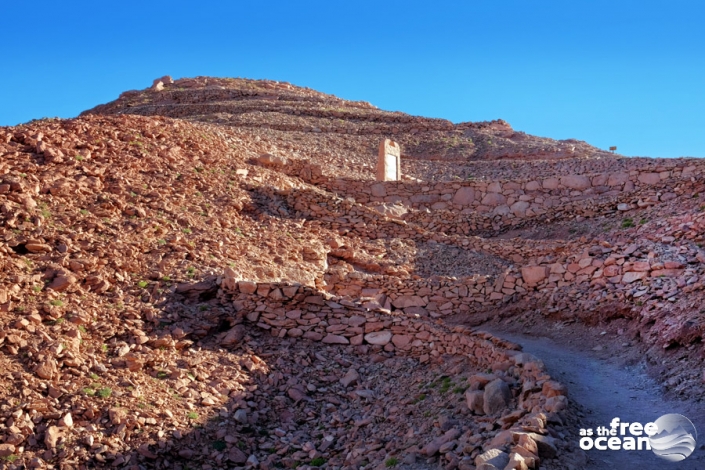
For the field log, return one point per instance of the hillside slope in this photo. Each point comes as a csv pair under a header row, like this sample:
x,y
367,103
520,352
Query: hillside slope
x,y
205,274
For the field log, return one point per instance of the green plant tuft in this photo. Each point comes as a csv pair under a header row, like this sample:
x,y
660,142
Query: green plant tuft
x,y
627,223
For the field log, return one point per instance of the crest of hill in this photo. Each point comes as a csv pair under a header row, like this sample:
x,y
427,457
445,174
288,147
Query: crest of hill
x,y
343,135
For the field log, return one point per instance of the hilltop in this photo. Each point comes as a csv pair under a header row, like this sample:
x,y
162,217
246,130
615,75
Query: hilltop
x,y
205,273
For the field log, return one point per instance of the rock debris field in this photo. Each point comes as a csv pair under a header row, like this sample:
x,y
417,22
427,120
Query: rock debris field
x,y
205,274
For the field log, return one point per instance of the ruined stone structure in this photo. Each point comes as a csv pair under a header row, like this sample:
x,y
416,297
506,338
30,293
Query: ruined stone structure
x,y
388,166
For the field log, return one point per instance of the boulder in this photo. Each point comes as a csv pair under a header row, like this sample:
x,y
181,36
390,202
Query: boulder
x,y
496,397
378,190
335,339
493,458
434,446
649,178
380,338
350,378
550,183
516,462
493,199
533,186
475,401
630,277
233,336
401,341
576,182
404,301
62,282
532,275
273,161
464,196
52,436
551,388
617,179
519,208
6,450
247,287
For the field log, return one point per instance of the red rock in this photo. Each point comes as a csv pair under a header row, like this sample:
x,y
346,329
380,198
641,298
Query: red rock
x,y
37,247
378,190
551,388
649,178
62,282
630,277
52,436
235,455
46,369
380,338
666,273
313,336
576,182
247,287
533,275
640,266
464,196
405,301
6,450
335,339
401,341
493,199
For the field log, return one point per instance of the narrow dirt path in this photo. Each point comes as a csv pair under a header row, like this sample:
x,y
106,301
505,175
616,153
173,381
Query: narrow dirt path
x,y
603,390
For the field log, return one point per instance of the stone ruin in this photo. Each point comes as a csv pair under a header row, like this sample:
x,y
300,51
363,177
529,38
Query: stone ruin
x,y
388,168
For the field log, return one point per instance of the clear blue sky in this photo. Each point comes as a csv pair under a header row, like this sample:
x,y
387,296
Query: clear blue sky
x,y
626,73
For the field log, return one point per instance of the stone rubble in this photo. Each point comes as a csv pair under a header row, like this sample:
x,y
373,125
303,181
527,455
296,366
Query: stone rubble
x,y
207,273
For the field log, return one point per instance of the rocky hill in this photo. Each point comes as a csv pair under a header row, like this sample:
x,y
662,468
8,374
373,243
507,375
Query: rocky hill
x,y
204,274
343,135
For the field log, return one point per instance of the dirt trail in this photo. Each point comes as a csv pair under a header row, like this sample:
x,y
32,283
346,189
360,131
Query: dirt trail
x,y
603,390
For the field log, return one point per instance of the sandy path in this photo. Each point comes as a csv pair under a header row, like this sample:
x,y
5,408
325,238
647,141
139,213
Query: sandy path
x,y
603,390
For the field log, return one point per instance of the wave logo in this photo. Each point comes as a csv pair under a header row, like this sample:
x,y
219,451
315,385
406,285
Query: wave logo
x,y
675,438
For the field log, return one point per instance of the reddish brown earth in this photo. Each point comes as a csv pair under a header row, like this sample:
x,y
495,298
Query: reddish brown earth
x,y
204,274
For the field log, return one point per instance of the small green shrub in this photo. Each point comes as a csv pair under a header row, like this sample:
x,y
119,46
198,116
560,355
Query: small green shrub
x,y
219,445
627,223
390,462
318,461
420,398
105,392
143,284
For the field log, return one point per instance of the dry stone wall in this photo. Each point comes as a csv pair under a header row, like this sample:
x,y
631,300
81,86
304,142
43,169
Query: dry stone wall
x,y
293,311
472,206
631,272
